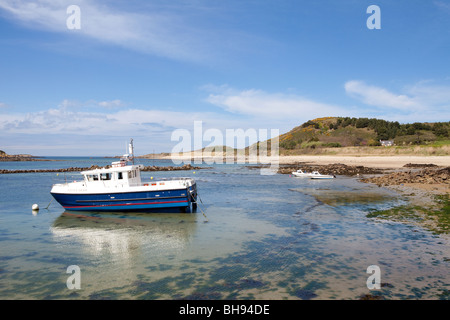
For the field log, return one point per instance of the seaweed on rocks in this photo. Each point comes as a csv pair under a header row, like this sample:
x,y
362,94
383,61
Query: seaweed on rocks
x,y
423,176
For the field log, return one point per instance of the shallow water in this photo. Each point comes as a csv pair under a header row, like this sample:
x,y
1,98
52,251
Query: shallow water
x,y
266,237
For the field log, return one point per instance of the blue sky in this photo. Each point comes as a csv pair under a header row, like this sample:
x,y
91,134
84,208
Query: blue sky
x,y
142,69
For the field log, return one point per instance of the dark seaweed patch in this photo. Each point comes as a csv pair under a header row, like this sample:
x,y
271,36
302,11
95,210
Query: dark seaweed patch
x,y
369,296
304,294
152,290
231,273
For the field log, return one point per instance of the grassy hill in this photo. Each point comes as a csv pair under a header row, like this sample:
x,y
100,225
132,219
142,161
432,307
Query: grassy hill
x,y
337,132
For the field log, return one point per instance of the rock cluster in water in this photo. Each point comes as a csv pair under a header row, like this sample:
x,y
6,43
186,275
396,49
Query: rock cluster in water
x,y
420,165
334,169
78,169
424,176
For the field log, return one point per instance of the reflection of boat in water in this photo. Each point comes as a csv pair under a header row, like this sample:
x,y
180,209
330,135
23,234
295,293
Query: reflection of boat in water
x,y
119,233
119,188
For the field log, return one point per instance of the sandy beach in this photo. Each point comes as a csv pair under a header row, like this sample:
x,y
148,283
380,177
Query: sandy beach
x,y
372,161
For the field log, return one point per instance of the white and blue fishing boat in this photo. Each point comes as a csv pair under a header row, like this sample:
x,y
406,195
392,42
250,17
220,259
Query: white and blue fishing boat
x,y
317,175
120,188
312,175
301,173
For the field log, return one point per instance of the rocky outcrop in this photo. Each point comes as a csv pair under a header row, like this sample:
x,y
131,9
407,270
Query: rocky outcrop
x,y
424,176
419,165
19,157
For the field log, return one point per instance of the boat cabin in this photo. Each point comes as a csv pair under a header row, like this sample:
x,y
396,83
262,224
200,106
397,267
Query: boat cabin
x,y
119,174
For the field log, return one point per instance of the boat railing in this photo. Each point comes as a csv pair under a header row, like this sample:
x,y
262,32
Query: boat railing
x,y
174,178
183,180
63,178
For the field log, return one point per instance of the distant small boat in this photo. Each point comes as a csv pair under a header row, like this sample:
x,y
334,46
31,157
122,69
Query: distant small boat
x,y
317,175
300,173
120,188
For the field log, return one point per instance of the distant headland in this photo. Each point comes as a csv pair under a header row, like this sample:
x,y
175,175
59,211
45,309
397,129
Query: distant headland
x,y
18,157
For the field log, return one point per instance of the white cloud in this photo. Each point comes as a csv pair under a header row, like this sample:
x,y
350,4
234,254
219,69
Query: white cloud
x,y
380,97
107,104
261,104
423,101
69,124
69,118
426,93
113,104
152,29
66,103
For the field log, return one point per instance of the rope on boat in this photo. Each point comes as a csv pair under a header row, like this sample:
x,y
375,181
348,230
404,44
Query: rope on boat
x,y
49,204
200,198
194,200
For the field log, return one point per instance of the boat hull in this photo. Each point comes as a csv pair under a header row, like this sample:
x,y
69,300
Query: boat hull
x,y
128,201
302,175
322,177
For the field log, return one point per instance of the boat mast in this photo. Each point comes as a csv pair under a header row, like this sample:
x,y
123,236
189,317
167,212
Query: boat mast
x,y
131,150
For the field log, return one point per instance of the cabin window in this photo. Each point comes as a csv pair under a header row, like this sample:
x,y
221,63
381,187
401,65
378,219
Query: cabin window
x,y
105,176
92,177
131,174
119,175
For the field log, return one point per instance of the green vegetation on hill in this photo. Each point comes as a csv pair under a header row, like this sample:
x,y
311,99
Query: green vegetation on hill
x,y
332,132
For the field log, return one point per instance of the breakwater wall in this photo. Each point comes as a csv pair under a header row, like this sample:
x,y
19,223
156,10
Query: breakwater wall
x,y
78,169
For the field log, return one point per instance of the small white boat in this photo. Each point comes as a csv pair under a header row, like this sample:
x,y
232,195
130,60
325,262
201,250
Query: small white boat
x,y
317,175
300,173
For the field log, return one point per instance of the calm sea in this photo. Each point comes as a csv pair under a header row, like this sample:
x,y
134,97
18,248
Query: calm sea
x,y
255,237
